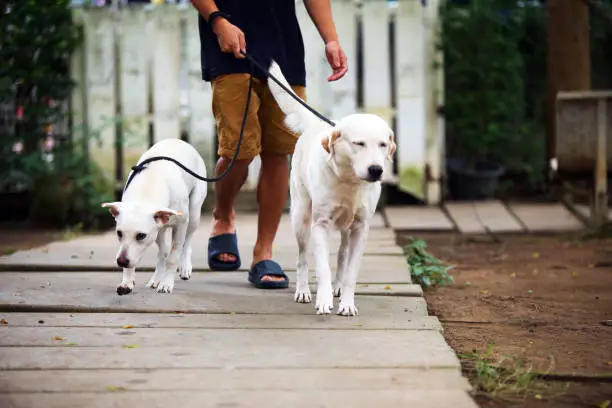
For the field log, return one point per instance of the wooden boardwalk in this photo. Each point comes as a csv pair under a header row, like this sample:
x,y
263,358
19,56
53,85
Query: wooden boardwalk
x,y
70,341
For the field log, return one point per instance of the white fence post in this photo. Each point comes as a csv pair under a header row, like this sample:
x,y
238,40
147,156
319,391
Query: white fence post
x,y
410,83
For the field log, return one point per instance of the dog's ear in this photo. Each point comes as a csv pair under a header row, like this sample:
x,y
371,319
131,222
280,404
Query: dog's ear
x,y
328,141
392,145
113,208
165,215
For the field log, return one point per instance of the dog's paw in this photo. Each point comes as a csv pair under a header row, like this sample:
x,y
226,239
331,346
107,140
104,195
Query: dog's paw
x,y
125,287
347,309
185,269
166,285
303,295
325,302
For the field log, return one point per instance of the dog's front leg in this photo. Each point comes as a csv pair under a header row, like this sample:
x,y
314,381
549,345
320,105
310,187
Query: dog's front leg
x,y
166,285
356,243
127,282
325,294
162,254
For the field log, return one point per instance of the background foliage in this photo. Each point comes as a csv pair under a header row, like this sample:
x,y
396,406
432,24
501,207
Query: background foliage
x,y
42,160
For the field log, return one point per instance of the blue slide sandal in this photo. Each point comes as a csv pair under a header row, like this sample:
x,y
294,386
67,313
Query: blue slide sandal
x,y
268,268
223,244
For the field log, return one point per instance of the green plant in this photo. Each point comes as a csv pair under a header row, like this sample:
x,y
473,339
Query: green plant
x,y
507,378
426,269
37,41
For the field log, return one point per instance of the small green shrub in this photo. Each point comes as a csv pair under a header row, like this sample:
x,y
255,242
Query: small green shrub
x,y
426,269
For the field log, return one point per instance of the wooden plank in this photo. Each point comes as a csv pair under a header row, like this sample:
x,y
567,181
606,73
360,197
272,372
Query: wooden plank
x,y
410,82
252,348
546,217
478,217
376,66
216,380
217,321
344,91
100,97
134,94
201,119
417,218
434,98
269,397
166,72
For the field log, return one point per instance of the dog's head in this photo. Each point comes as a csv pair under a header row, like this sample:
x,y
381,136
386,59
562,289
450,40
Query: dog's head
x,y
137,228
362,141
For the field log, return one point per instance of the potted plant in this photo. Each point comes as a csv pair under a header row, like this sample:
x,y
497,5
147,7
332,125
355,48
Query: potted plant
x,y
484,86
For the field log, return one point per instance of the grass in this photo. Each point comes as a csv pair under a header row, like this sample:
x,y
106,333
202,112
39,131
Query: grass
x,y
426,269
508,378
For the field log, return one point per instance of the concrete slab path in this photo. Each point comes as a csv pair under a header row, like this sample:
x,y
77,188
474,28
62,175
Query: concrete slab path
x,y
68,340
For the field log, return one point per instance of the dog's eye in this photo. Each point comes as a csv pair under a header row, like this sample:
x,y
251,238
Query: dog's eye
x,y
119,234
360,144
383,144
140,236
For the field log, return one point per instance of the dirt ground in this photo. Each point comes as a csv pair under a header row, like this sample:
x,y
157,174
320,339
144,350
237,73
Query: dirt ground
x,y
544,299
20,236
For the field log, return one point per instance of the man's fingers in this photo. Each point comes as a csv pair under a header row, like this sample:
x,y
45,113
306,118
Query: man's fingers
x,y
339,73
242,43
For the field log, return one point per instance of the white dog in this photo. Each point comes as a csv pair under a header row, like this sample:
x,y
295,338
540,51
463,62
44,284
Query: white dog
x,y
160,197
335,184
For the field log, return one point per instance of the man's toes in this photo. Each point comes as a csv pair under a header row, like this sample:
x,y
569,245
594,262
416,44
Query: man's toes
x,y
272,278
227,258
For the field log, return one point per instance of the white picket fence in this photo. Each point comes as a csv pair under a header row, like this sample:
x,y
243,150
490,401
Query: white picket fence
x,y
139,81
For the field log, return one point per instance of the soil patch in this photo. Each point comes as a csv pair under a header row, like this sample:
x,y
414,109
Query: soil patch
x,y
544,299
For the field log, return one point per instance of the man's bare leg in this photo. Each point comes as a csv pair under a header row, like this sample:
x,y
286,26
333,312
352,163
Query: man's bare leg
x,y
272,192
226,190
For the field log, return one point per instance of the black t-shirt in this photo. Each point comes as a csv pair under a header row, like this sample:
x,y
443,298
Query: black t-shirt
x,y
271,31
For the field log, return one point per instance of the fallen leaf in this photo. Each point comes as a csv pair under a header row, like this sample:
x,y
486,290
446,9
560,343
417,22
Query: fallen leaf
x,y
58,338
513,274
112,388
130,346
232,313
604,404
538,396
387,287
530,341
530,291
468,283
609,363
484,292
536,254
127,326
71,343
3,321
358,325
574,274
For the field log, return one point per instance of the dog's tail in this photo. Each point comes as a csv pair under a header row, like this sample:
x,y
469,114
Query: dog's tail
x,y
298,117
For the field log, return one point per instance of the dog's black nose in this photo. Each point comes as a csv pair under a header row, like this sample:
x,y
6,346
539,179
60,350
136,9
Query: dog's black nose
x,y
123,262
374,172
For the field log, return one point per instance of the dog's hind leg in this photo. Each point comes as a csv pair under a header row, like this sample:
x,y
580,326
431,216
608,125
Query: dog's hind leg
x,y
185,266
162,254
342,262
301,220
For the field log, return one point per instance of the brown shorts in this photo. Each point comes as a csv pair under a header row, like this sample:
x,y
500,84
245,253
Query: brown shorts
x,y
264,132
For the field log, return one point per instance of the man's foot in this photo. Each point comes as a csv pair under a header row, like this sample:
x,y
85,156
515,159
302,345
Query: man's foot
x,y
268,269
261,255
220,227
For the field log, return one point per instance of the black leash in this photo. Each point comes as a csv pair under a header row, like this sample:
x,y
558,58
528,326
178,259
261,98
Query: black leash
x,y
252,62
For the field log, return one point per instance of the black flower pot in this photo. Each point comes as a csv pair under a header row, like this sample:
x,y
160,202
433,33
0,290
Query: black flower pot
x,y
467,181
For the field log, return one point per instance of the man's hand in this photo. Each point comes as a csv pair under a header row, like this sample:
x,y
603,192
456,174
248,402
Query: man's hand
x,y
336,59
231,38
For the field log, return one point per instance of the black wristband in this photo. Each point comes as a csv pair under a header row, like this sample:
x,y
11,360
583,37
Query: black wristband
x,y
214,15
